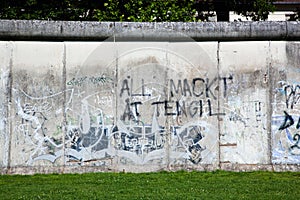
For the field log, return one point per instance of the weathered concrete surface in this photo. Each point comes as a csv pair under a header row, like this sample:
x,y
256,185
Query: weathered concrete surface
x,y
38,98
244,137
54,30
285,105
132,106
138,106
164,31
5,103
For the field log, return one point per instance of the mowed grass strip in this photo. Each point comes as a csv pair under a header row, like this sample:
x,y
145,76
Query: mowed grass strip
x,y
160,185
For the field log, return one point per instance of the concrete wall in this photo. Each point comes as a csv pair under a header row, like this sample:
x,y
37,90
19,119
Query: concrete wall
x,y
118,105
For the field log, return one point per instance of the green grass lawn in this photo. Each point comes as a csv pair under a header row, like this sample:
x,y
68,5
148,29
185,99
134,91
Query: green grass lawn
x,y
162,185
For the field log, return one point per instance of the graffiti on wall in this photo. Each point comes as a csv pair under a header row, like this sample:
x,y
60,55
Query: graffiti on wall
x,y
187,100
199,89
36,135
93,137
286,139
292,95
250,114
107,118
285,126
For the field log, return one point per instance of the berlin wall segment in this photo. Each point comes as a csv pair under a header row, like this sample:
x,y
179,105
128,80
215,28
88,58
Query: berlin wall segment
x,y
5,88
104,124
285,117
244,128
150,106
144,108
95,135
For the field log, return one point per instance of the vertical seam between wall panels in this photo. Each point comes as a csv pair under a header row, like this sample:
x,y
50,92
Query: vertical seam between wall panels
x,y
218,117
64,62
9,104
166,147
269,108
115,87
167,122
116,55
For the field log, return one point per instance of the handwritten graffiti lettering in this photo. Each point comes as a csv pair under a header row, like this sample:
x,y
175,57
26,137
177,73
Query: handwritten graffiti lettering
x,y
125,88
258,111
292,95
287,138
292,139
92,134
132,142
128,113
171,108
100,80
167,107
288,121
249,108
142,140
296,138
198,87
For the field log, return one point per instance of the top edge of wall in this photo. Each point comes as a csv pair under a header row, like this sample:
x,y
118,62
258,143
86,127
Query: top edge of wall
x,y
41,30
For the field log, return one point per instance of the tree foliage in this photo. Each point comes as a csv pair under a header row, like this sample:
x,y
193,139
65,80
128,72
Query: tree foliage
x,y
295,16
255,10
129,10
